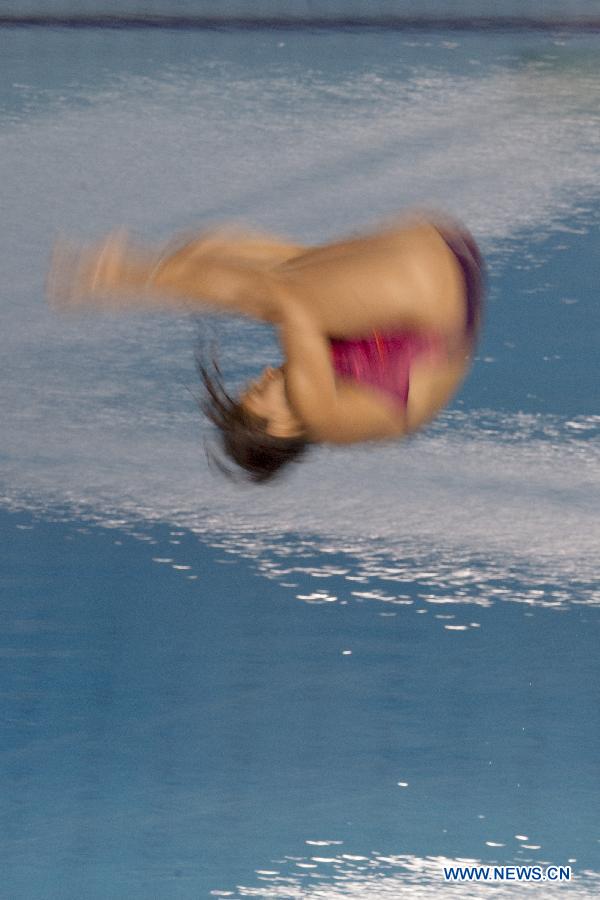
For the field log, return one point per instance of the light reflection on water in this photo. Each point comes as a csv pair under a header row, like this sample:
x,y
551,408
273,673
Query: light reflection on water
x,y
482,499
477,581
339,876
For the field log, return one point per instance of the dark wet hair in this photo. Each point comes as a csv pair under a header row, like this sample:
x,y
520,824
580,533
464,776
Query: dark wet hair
x,y
243,436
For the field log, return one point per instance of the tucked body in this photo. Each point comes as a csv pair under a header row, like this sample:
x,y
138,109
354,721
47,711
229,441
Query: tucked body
x,y
377,331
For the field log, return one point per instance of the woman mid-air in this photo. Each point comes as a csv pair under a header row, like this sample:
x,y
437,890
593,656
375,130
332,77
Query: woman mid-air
x,y
377,332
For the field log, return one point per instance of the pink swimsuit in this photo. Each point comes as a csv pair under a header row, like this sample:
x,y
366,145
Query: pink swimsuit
x,y
383,361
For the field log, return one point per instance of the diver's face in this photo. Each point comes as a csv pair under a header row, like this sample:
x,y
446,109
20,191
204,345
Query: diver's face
x,y
266,398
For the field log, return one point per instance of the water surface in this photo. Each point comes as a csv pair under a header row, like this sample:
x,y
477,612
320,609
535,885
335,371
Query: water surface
x,y
326,687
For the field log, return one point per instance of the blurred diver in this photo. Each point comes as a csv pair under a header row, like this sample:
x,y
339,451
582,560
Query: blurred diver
x,y
377,331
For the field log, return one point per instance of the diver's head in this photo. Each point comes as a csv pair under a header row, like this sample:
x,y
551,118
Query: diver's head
x,y
258,431
265,398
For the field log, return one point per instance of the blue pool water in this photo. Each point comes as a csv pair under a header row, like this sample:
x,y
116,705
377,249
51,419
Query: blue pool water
x,y
327,688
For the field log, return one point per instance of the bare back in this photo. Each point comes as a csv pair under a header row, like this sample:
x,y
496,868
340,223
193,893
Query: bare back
x,y
402,277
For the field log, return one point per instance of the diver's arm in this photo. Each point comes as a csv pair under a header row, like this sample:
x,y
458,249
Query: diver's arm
x,y
330,412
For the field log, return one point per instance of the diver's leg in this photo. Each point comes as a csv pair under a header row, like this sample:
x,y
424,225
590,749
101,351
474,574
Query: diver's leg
x,y
118,275
237,244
